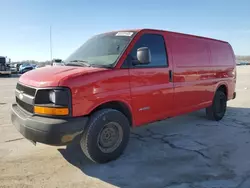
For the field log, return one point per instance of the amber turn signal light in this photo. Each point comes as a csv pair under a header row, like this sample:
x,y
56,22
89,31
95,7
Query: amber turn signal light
x,y
51,111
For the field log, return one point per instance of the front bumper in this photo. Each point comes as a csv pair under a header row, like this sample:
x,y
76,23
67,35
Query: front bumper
x,y
47,130
5,72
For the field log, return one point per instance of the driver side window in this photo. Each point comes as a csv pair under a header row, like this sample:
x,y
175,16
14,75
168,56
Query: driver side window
x,y
156,44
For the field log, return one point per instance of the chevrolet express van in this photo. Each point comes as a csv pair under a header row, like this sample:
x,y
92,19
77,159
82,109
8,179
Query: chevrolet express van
x,y
119,80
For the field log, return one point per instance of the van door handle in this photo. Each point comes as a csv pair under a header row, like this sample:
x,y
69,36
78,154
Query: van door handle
x,y
170,76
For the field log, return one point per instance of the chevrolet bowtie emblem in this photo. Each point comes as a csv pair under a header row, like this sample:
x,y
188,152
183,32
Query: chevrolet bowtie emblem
x,y
21,95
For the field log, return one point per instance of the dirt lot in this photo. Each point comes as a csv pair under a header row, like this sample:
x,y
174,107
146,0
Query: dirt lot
x,y
182,152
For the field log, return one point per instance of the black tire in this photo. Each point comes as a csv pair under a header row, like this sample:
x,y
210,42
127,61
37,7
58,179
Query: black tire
x,y
218,108
97,125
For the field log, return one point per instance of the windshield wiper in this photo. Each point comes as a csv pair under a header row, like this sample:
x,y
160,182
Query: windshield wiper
x,y
102,66
86,64
78,63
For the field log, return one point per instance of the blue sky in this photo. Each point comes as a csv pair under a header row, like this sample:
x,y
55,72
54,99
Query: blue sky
x,y
24,31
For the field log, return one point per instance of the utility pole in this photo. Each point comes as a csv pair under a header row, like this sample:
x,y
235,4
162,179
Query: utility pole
x,y
50,35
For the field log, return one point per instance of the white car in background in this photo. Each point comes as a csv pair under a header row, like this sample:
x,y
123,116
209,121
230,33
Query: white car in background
x,y
57,62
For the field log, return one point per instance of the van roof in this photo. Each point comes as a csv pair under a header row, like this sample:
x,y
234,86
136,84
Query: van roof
x,y
178,33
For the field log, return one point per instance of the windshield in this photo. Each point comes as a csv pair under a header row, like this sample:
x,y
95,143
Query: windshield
x,y
101,50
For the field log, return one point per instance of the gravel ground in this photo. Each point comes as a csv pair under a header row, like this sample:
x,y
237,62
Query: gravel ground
x,y
183,152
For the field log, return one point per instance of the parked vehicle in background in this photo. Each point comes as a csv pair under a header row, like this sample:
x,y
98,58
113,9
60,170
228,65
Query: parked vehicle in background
x,y
57,62
5,66
119,80
39,66
18,66
25,68
23,65
243,63
13,68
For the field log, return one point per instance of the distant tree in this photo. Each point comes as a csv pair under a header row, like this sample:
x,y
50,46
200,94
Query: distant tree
x,y
243,58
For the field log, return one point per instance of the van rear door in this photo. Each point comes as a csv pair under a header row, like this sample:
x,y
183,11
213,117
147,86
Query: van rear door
x,y
151,84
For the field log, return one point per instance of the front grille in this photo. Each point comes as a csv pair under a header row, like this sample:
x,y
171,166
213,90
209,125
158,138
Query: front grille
x,y
25,101
25,106
27,90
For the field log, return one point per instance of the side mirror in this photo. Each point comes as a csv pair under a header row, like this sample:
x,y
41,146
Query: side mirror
x,y
143,55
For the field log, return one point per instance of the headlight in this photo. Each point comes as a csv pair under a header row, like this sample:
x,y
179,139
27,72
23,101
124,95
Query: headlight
x,y
53,102
52,96
59,97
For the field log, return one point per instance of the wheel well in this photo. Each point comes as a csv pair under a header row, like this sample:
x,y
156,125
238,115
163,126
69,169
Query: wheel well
x,y
223,88
120,106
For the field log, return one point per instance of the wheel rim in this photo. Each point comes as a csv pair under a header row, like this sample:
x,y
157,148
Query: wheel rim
x,y
110,137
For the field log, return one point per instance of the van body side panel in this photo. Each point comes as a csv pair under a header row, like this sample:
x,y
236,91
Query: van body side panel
x,y
90,91
201,65
191,59
224,65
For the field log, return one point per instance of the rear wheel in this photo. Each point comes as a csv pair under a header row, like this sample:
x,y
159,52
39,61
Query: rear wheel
x,y
218,108
106,136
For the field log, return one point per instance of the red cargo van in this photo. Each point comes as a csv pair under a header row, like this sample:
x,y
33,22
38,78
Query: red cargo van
x,y
123,79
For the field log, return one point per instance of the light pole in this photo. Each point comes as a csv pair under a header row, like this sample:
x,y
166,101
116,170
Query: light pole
x,y
50,35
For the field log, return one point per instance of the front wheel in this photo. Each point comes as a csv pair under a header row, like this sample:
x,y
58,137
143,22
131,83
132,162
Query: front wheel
x,y
218,108
106,136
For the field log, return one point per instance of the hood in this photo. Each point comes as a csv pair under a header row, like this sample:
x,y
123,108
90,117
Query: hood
x,y
51,76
